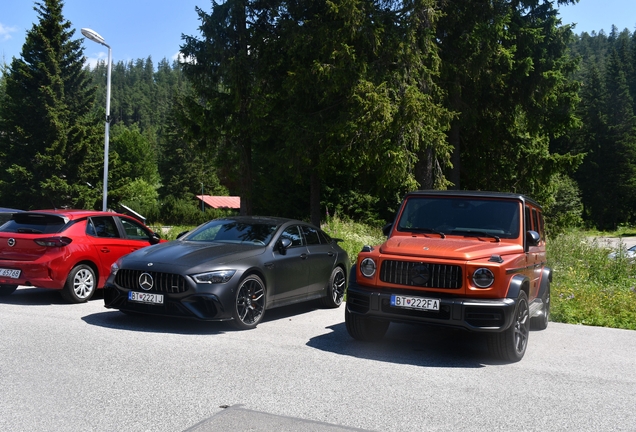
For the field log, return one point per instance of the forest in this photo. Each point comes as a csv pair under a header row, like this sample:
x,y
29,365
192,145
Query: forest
x,y
308,109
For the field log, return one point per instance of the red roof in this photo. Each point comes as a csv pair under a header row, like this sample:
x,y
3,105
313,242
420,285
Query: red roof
x,y
232,202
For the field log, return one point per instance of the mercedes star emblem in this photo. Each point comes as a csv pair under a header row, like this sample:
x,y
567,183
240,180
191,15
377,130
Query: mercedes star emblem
x,y
145,281
420,274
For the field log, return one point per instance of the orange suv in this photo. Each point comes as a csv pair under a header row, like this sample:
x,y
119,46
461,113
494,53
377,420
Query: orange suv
x,y
472,260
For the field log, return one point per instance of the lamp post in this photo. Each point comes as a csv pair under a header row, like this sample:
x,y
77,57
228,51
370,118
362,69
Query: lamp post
x,y
95,37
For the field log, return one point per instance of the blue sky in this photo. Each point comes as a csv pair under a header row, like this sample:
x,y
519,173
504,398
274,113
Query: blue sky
x,y
134,29
140,28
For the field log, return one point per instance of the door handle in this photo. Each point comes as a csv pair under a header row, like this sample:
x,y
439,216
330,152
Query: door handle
x,y
105,250
303,256
330,253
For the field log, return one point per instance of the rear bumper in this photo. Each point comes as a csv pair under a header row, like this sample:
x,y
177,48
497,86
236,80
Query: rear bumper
x,y
491,315
41,274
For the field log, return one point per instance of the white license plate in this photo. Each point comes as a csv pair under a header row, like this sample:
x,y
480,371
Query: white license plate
x,y
12,274
419,303
145,297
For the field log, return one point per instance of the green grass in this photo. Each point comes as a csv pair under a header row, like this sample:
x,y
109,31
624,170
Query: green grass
x,y
353,235
588,287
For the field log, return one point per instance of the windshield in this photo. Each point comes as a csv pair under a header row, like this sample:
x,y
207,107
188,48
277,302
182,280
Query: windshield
x,y
230,231
34,223
461,216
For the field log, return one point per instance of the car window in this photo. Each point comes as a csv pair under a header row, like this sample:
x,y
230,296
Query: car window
x,y
230,231
293,233
457,215
134,230
103,227
324,237
35,223
311,235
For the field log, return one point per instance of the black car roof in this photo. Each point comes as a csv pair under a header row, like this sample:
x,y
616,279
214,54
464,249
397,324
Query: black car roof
x,y
264,219
476,194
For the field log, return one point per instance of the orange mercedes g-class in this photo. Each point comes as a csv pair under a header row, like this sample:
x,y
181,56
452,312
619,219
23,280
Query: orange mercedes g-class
x,y
472,260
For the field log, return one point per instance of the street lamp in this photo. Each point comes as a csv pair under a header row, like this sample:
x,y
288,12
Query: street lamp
x,y
95,37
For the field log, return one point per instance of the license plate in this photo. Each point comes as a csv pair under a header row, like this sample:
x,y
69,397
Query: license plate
x,y
8,273
419,303
145,297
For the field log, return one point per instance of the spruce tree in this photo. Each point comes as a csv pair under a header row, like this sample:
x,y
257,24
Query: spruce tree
x,y
51,137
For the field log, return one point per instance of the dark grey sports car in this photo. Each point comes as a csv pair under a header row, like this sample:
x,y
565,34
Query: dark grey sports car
x,y
231,269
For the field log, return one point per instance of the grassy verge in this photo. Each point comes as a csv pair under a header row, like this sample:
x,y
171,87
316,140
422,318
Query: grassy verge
x,y
353,235
589,287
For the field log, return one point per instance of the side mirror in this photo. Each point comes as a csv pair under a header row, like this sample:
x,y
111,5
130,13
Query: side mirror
x,y
532,238
386,229
182,233
155,238
283,245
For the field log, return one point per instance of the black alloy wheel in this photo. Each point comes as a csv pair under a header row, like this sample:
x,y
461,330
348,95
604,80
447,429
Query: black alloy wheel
x,y
510,344
335,289
249,306
540,322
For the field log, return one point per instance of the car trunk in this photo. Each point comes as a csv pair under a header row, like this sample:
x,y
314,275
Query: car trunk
x,y
18,236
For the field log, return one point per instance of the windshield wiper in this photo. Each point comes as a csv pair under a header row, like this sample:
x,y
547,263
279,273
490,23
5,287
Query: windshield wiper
x,y
426,230
476,233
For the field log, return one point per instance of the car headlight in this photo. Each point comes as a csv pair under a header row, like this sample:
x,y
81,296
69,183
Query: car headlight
x,y
213,277
483,278
114,268
367,267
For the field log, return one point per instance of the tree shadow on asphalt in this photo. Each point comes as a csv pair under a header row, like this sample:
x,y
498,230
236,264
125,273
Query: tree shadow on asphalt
x,y
414,344
117,320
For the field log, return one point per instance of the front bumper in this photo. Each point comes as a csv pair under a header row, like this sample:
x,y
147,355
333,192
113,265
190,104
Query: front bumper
x,y
205,306
490,315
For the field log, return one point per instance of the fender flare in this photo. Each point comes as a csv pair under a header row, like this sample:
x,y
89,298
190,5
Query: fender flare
x,y
546,278
516,284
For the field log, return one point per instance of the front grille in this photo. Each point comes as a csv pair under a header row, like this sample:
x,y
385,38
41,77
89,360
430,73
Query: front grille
x,y
425,275
162,282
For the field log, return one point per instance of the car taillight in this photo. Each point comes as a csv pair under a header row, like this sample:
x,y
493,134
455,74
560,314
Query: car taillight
x,y
54,241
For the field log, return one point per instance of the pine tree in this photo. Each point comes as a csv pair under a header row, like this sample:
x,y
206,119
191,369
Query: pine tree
x,y
618,161
50,136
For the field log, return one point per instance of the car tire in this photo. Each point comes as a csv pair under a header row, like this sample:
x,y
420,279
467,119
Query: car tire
x,y
249,303
335,289
540,322
364,328
510,345
6,290
81,284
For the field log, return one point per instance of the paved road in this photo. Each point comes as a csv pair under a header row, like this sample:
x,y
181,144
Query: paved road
x,y
85,368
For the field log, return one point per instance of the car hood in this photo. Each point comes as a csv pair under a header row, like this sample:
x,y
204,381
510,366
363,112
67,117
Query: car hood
x,y
448,248
189,254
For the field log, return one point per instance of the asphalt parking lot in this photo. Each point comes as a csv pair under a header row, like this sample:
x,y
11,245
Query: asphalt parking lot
x,y
82,367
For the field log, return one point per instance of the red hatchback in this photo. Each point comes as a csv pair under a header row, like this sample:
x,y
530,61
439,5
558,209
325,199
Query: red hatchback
x,y
68,250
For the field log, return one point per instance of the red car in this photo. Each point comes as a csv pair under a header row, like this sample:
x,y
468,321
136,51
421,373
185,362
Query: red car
x,y
68,250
